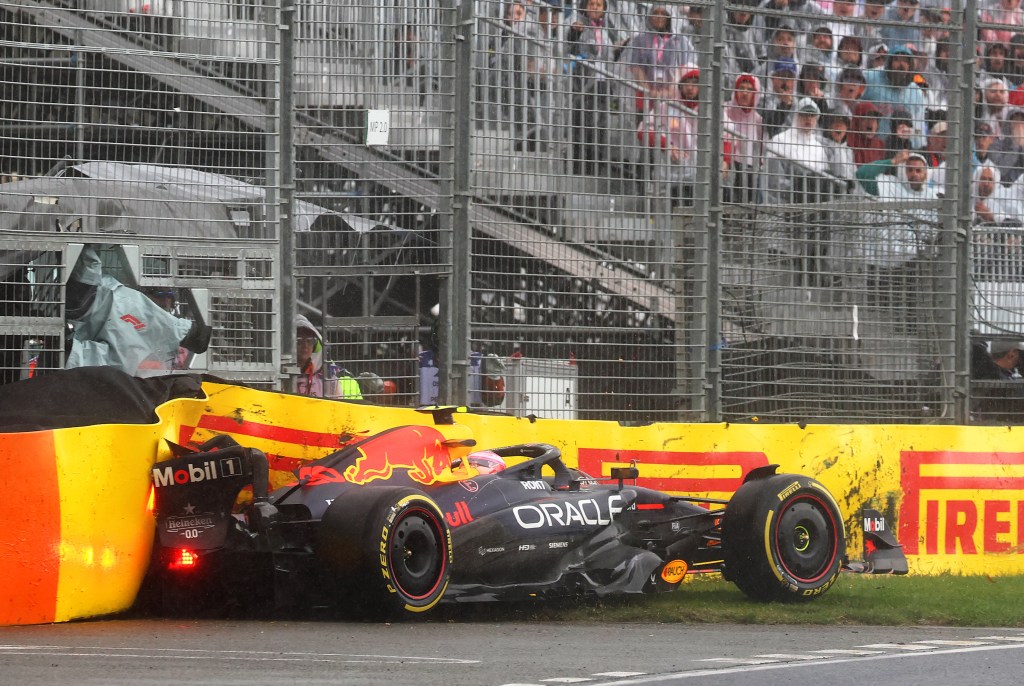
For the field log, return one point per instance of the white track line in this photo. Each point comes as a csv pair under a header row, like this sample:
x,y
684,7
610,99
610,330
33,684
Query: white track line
x,y
740,660
897,646
236,655
847,651
702,673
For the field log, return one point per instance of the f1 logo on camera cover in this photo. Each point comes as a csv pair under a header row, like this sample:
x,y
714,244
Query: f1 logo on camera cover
x,y
207,470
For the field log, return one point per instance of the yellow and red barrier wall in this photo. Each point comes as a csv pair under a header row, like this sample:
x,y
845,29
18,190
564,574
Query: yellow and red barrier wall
x,y
79,533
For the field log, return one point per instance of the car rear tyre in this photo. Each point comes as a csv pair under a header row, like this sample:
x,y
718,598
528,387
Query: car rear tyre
x,y
783,538
389,550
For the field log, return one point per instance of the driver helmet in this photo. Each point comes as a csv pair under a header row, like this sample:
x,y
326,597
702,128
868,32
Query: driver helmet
x,y
487,461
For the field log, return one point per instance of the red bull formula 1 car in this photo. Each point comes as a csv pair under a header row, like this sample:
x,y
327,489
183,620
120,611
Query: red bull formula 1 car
x,y
404,519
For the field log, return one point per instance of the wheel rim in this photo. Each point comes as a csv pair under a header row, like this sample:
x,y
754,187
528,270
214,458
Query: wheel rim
x,y
806,539
416,553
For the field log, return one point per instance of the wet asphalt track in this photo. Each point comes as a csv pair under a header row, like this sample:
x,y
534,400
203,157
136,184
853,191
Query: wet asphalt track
x,y
496,652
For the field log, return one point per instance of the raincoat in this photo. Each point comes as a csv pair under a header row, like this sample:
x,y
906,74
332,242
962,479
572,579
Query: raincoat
x,y
118,326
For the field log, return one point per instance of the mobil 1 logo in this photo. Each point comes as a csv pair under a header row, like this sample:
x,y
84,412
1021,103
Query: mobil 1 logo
x,y
196,472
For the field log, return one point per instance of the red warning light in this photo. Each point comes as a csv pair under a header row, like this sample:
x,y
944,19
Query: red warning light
x,y
183,559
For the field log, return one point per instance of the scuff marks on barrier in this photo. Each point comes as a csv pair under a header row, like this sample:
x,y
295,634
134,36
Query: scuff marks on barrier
x,y
257,411
860,464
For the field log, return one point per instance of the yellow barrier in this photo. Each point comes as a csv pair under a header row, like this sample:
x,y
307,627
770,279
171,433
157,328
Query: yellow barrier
x,y
80,535
955,492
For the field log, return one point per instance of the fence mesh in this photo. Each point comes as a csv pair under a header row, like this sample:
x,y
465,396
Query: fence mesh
x,y
624,210
370,274
144,132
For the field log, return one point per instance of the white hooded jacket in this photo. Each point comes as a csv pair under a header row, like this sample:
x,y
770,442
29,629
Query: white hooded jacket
x,y
893,237
1004,202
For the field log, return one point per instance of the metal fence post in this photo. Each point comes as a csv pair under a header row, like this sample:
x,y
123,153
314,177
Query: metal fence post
x,y
286,142
691,288
960,184
713,124
456,237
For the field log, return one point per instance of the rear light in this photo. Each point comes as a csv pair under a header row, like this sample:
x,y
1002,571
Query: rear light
x,y
183,560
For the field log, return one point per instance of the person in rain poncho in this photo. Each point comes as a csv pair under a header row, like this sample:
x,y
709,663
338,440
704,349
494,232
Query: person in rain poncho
x,y
656,59
797,152
117,326
744,125
994,203
899,235
892,88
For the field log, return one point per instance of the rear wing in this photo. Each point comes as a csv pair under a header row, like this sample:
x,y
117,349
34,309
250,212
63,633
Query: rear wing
x,y
194,494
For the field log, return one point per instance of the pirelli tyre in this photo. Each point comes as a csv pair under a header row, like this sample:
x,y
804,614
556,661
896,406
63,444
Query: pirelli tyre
x,y
388,549
783,538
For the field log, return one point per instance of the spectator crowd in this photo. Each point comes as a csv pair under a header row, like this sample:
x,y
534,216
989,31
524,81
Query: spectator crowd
x,y
847,93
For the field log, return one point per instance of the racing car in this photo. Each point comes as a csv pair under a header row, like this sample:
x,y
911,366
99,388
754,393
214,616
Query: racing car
x,y
401,520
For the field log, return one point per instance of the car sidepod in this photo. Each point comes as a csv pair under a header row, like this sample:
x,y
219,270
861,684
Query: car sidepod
x,y
516,538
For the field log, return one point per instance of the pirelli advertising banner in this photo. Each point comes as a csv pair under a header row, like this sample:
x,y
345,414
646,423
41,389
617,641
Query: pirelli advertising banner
x,y
79,533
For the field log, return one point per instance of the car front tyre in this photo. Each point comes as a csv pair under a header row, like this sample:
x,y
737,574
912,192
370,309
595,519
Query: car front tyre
x,y
783,538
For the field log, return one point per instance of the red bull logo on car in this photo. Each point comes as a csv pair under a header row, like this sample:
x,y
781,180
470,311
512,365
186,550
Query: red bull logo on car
x,y
318,475
419,449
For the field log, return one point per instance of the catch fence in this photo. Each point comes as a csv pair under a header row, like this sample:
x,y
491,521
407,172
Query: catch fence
x,y
439,184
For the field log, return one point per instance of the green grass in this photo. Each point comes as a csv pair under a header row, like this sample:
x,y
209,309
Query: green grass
x,y
855,599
